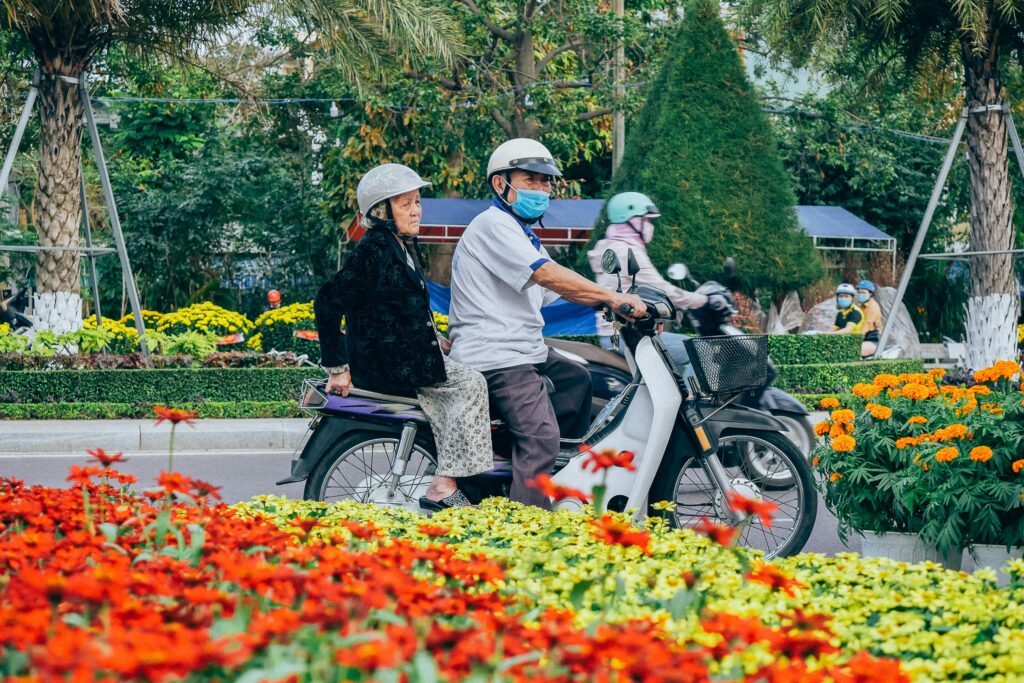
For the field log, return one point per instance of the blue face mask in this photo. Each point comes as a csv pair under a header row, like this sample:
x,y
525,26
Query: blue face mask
x,y
863,298
530,204
844,302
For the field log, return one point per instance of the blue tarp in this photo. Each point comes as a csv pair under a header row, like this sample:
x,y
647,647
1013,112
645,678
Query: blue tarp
x,y
561,317
835,222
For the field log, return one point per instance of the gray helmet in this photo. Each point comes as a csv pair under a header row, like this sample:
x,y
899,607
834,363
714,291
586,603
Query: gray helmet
x,y
846,288
384,182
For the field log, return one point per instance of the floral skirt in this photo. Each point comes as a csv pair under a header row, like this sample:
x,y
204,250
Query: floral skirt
x,y
460,418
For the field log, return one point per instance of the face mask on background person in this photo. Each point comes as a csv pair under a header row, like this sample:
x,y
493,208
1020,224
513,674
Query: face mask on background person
x,y
863,298
844,301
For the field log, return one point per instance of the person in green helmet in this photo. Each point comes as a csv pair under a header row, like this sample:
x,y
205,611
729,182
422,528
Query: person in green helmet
x,y
631,226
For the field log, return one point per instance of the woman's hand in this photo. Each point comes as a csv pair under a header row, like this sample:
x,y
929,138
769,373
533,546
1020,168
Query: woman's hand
x,y
339,383
444,343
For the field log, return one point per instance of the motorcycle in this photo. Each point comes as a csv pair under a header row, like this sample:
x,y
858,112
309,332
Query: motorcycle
x,y
610,372
692,439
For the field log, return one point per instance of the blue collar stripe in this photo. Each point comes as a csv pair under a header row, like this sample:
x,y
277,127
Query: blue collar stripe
x,y
534,240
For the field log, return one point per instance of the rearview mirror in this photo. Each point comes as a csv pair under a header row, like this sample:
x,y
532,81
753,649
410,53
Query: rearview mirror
x,y
730,268
678,271
632,267
610,262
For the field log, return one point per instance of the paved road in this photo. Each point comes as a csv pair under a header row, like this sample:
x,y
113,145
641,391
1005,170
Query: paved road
x,y
251,473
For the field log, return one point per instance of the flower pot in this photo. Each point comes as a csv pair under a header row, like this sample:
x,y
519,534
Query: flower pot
x,y
907,548
995,557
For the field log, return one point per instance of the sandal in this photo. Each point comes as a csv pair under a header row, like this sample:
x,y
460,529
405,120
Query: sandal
x,y
455,500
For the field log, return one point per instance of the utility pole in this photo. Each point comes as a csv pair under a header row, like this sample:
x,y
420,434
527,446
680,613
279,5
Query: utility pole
x,y
618,119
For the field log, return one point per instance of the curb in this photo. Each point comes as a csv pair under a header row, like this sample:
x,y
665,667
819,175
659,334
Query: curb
x,y
78,436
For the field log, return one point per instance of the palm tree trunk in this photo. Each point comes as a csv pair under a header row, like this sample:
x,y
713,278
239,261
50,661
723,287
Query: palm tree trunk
x,y
993,303
58,302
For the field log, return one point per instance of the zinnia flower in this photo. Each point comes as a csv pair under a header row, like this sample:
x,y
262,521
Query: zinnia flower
x,y
104,458
173,415
602,460
752,506
549,488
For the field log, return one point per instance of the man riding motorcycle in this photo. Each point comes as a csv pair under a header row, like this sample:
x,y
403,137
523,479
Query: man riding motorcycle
x,y
631,227
495,323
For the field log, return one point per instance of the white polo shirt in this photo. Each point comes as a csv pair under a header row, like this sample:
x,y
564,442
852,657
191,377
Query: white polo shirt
x,y
494,319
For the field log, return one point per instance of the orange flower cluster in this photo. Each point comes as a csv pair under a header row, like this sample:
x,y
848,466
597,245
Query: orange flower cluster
x,y
981,454
879,412
947,454
616,532
829,402
866,391
917,420
1018,465
843,416
1003,369
844,444
156,599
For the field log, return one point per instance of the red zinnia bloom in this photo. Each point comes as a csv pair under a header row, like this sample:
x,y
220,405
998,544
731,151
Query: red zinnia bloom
x,y
752,506
307,524
774,578
602,460
545,485
174,482
205,490
84,475
174,415
434,530
104,458
719,533
614,532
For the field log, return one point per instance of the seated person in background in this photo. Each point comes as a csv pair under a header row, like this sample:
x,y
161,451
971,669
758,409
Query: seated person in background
x,y
872,326
849,318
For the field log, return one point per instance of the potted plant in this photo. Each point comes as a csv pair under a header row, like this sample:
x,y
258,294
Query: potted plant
x,y
941,463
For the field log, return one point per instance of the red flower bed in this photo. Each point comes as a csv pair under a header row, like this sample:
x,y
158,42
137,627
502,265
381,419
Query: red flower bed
x,y
99,584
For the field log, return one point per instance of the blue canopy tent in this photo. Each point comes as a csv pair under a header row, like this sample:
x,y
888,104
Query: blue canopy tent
x,y
833,228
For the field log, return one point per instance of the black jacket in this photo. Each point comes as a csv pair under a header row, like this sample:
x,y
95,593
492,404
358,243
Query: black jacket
x,y
390,341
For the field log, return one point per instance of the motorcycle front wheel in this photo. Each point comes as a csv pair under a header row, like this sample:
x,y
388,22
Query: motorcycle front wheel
x,y
688,484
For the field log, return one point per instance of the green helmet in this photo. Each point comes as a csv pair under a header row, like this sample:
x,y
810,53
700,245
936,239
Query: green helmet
x,y
626,205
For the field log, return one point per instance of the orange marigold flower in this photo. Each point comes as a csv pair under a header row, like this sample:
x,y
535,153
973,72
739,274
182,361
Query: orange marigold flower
x,y
917,420
843,416
615,532
936,373
829,403
719,533
835,476
916,392
886,380
752,506
993,408
905,441
880,412
774,578
981,453
173,415
836,431
946,454
866,391
979,390
953,431
844,444
106,459
822,428
1018,465
815,461
549,488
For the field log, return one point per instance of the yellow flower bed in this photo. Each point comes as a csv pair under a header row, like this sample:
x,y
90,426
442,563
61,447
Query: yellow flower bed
x,y
287,329
206,318
126,337
944,625
149,319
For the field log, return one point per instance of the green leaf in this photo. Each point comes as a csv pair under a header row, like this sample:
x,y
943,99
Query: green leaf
x,y
578,591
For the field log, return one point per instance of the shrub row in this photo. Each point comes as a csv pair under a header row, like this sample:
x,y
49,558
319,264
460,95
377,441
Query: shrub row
x,y
115,411
820,378
797,349
135,361
168,386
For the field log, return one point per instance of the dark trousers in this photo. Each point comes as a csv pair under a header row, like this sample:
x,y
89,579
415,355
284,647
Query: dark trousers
x,y
536,418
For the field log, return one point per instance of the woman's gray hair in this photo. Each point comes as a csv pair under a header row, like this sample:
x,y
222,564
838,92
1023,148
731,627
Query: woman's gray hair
x,y
380,210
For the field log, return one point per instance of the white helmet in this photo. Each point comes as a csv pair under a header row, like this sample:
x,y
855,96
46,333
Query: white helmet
x,y
384,182
524,154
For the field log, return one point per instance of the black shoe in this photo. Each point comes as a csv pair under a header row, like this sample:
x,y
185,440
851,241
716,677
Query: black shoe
x,y
456,500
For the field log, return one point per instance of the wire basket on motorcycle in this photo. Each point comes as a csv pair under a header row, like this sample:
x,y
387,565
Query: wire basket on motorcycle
x,y
729,364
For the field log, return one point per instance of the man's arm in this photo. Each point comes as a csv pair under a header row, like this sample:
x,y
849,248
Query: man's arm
x,y
574,287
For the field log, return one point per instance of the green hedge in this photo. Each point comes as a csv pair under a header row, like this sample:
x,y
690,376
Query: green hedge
x,y
802,349
114,411
822,378
168,386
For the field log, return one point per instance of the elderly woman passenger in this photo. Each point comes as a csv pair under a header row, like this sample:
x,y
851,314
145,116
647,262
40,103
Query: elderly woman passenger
x,y
391,344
